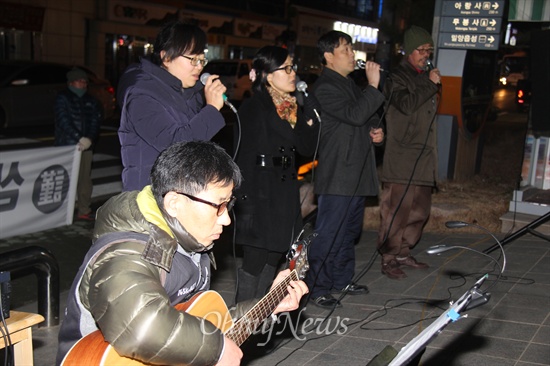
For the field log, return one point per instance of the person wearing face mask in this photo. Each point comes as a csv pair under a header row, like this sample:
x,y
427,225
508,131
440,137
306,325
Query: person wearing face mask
x,y
162,101
274,129
77,119
409,170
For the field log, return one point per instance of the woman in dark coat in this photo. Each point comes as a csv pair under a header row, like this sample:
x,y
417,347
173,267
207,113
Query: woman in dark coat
x,y
274,129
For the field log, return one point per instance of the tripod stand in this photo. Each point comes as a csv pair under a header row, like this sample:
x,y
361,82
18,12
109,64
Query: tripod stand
x,y
522,231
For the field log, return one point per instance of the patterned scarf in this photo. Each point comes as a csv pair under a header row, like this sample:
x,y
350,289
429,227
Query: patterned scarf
x,y
286,106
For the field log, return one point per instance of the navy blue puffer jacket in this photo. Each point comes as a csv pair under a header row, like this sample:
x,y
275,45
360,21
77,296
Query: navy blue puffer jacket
x,y
76,117
157,112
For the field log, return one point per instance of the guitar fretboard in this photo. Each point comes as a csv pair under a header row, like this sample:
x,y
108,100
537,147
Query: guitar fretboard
x,y
244,327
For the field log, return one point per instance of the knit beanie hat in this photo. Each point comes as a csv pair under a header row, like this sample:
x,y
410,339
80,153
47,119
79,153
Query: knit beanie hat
x,y
76,74
414,37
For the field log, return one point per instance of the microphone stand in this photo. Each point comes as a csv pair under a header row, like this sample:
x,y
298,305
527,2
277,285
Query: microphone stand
x,y
419,343
469,300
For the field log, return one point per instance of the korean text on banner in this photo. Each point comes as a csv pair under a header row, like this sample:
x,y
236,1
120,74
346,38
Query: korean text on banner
x,y
37,189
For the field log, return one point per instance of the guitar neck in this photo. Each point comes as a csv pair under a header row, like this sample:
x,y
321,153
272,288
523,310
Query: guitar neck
x,y
250,321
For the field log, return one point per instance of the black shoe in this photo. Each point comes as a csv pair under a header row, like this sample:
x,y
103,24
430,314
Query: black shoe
x,y
327,302
352,289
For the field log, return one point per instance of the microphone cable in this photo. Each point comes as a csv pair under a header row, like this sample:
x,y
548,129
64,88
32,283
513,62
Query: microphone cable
x,y
386,234
370,263
9,352
238,142
479,297
203,79
461,224
337,232
301,86
236,151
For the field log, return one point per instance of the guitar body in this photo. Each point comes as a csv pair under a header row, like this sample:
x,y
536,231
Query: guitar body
x,y
208,305
94,350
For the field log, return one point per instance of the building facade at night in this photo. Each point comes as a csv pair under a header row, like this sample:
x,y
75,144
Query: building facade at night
x,y
108,35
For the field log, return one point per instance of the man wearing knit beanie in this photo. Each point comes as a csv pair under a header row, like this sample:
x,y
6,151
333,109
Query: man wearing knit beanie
x,y
416,37
76,74
410,155
77,121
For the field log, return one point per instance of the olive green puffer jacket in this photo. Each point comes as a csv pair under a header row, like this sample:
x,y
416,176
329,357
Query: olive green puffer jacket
x,y
123,288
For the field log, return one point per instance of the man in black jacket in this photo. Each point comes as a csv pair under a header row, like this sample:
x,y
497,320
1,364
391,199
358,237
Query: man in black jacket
x,y
347,167
77,119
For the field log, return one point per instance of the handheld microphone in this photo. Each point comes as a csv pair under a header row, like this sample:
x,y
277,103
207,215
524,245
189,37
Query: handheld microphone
x,y
204,78
301,86
362,63
429,65
438,249
461,224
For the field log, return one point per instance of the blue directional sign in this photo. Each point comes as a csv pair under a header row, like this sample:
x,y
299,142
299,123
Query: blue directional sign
x,y
476,41
470,24
473,8
460,24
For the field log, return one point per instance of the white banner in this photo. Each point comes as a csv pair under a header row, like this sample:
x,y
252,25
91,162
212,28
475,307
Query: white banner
x,y
37,189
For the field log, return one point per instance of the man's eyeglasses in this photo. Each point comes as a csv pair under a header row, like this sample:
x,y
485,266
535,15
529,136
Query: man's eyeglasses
x,y
288,68
220,207
195,60
424,51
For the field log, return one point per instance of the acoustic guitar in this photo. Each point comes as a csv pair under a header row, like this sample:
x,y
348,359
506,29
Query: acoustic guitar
x,y
93,350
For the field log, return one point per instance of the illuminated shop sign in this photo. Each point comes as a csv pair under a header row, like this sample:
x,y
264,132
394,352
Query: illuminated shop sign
x,y
359,33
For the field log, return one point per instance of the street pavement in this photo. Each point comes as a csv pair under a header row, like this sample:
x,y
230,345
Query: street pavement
x,y
512,328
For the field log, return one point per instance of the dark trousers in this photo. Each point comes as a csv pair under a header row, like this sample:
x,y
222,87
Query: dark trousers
x,y
406,219
332,253
84,186
255,259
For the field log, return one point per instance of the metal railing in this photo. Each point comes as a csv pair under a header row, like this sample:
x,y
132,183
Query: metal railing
x,y
40,261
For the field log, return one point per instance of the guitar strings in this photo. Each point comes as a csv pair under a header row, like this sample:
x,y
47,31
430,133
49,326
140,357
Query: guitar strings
x,y
249,322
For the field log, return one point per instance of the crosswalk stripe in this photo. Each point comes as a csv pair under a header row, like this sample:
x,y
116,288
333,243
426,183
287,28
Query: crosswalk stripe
x,y
106,175
107,189
107,172
17,141
103,157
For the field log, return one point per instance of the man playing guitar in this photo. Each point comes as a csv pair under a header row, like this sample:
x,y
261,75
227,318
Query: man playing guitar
x,y
151,251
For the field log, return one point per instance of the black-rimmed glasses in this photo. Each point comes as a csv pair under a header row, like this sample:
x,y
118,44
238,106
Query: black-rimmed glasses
x,y
195,60
220,207
288,68
424,51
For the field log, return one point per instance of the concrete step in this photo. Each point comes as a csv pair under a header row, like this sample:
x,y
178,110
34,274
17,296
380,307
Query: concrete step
x,y
513,221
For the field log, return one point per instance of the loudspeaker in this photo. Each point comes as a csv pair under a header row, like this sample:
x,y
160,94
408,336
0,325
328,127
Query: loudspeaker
x,y
5,290
540,81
